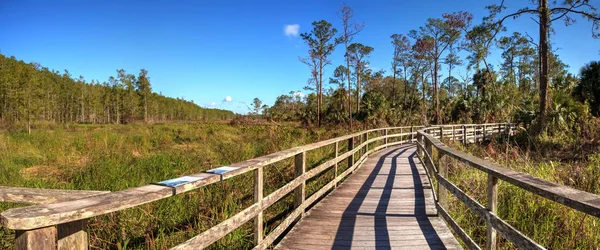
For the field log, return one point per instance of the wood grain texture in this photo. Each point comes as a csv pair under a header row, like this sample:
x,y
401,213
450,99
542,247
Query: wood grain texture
x,y
73,235
386,204
37,239
43,196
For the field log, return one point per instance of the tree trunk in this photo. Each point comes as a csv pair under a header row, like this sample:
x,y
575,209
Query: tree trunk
x,y
358,87
320,92
543,64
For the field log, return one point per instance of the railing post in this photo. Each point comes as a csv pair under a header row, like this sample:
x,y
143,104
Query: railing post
x,y
73,235
258,196
385,140
300,192
412,130
428,148
419,153
484,132
441,133
492,206
335,169
350,148
464,135
366,144
442,168
453,132
41,238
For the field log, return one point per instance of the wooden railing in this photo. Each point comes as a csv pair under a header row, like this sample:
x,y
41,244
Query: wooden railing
x,y
62,224
429,139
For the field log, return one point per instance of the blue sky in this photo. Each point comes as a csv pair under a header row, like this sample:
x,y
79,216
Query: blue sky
x,y
207,50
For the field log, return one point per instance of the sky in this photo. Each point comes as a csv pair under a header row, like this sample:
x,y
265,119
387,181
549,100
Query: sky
x,y
223,54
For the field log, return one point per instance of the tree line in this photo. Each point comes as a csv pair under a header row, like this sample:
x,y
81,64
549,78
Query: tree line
x,y
531,84
30,92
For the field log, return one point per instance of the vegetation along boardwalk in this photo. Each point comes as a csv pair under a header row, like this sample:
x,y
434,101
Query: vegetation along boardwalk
x,y
387,203
388,188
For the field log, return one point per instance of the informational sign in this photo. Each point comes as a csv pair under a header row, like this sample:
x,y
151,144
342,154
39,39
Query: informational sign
x,y
221,170
179,181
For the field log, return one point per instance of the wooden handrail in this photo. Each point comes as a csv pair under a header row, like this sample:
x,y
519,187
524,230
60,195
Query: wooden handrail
x,y
579,200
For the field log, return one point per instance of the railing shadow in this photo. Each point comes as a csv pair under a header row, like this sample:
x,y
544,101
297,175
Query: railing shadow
x,y
345,233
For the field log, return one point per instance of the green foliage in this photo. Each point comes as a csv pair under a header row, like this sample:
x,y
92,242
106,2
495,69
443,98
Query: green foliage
x,y
32,93
588,89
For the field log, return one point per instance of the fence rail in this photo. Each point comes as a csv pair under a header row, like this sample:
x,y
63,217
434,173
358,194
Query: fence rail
x,y
429,138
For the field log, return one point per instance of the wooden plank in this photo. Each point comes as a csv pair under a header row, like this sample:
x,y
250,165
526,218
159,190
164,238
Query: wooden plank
x,y
43,196
508,232
258,196
492,206
26,218
73,235
300,168
37,239
323,223
443,171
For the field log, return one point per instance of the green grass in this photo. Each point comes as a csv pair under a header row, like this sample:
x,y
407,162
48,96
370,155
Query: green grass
x,y
117,157
550,224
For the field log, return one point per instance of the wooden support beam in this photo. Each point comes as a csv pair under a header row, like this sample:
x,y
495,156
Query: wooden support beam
x,y
442,161
453,133
36,239
73,235
412,130
492,206
258,196
350,148
300,191
335,168
484,132
464,128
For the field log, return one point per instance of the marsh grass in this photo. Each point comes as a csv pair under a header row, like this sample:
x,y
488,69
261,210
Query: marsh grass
x,y
117,157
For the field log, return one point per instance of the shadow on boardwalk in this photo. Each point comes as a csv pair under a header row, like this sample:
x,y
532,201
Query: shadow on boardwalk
x,y
386,204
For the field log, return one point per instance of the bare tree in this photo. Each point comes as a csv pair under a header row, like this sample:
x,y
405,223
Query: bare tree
x,y
351,28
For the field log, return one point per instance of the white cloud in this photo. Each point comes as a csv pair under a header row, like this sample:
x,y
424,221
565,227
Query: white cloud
x,y
299,94
227,99
213,104
291,29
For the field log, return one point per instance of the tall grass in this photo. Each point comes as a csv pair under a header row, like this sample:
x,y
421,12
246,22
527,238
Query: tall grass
x,y
117,157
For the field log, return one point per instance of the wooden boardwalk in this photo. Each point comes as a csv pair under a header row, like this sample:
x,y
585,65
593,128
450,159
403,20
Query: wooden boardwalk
x,y
386,204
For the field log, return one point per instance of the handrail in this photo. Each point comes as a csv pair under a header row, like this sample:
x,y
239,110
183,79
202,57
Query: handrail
x,y
427,140
41,221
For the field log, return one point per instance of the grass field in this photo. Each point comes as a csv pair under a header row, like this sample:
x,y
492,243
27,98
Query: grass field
x,y
117,157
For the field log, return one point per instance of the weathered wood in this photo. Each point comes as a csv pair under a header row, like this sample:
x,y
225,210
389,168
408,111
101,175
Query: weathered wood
x,y
335,170
492,206
258,196
453,134
300,168
43,196
44,215
73,235
580,200
464,129
36,239
442,163
354,217
350,147
508,232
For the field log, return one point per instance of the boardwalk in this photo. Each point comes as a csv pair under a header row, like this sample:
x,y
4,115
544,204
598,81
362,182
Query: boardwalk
x,y
386,204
